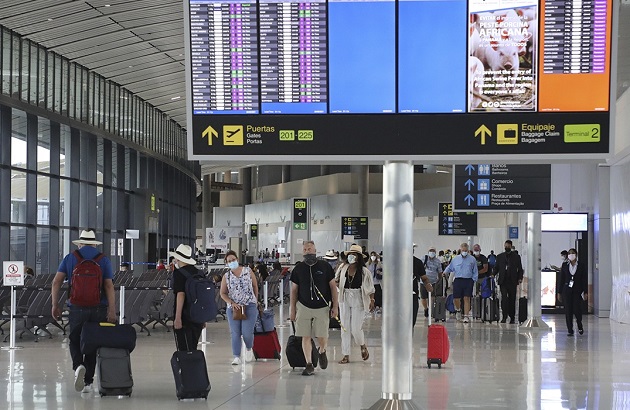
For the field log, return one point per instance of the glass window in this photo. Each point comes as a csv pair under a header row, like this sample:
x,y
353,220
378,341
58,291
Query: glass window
x,y
99,207
18,243
72,89
43,202
18,139
65,85
114,169
64,140
57,84
18,196
100,160
6,62
33,74
24,69
63,186
42,73
42,249
43,145
15,67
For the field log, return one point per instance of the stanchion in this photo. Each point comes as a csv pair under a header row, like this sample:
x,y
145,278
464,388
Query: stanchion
x,y
204,337
121,305
281,292
12,345
265,293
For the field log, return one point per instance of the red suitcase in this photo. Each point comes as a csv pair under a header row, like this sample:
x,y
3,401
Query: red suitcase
x,y
266,345
438,345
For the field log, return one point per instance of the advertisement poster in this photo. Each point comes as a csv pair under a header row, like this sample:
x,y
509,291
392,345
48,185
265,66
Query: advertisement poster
x,y
503,49
219,237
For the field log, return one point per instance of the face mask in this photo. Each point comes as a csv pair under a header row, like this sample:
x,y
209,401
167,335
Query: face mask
x,y
352,259
508,250
431,254
373,258
464,254
310,259
476,253
572,257
233,265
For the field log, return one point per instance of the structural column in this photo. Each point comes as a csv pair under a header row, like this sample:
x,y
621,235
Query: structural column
x,y
206,206
363,174
398,266
533,276
602,266
286,174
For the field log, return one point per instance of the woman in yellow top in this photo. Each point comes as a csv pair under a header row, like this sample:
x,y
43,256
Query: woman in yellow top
x,y
356,297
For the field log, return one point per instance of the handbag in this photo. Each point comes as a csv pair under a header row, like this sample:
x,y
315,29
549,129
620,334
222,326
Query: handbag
x,y
239,313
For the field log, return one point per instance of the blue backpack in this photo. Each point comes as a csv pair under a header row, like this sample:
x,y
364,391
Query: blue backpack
x,y
487,288
201,306
450,304
492,260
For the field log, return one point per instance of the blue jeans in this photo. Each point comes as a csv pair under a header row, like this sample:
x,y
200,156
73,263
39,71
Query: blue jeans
x,y
243,328
79,316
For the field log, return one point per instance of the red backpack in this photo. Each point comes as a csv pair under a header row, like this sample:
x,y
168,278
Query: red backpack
x,y
86,282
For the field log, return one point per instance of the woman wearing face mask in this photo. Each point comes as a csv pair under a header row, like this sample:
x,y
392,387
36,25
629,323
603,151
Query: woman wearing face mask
x,y
239,289
375,267
574,282
356,297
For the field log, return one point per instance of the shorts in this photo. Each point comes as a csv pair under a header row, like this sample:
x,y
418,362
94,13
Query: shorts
x,y
312,322
462,287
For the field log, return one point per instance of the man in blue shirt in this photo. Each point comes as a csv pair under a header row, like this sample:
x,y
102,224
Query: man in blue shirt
x,y
464,267
84,366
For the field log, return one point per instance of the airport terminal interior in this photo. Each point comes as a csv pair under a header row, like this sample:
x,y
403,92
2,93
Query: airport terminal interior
x,y
98,103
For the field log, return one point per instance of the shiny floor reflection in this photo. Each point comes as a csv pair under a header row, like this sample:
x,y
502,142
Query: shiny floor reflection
x,y
491,366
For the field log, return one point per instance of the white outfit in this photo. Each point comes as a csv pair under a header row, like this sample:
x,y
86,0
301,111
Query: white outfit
x,y
353,304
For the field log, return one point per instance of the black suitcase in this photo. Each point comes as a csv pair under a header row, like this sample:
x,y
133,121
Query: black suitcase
x,y
113,367
295,354
490,310
522,309
439,302
191,374
476,307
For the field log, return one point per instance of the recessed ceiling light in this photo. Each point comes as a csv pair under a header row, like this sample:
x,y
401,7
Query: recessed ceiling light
x,y
130,66
176,98
107,5
50,19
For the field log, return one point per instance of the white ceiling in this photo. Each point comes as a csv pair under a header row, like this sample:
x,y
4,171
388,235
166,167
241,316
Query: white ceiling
x,y
139,44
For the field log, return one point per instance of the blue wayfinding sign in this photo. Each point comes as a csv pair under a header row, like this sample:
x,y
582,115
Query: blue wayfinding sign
x,y
513,232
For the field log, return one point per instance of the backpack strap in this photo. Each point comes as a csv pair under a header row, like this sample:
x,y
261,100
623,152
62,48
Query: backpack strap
x,y
78,255
426,258
98,257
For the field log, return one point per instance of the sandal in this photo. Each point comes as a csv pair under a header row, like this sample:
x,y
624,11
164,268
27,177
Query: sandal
x,y
364,353
345,360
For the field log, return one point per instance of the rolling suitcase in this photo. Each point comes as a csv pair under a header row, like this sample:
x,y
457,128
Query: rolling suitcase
x,y
191,374
438,345
113,367
491,303
266,345
295,354
476,307
522,306
439,303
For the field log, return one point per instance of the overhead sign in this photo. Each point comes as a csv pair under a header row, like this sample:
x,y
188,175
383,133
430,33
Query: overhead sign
x,y
253,232
354,226
456,223
13,273
286,81
513,232
502,187
300,214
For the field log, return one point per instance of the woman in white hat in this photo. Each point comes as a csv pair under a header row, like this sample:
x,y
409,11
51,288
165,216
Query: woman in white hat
x,y
356,297
187,333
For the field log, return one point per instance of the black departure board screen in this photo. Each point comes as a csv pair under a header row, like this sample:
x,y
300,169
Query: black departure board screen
x,y
280,80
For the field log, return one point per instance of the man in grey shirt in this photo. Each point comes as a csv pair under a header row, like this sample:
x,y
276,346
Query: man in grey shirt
x,y
433,267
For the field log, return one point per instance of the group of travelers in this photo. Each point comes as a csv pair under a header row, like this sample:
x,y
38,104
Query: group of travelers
x,y
342,286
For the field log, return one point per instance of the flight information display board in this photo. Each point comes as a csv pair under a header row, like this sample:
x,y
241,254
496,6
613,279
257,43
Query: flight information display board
x,y
393,77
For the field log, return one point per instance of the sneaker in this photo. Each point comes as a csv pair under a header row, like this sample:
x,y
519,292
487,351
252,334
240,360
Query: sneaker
x,y
466,319
426,312
249,355
309,370
79,374
570,334
87,388
323,360
236,361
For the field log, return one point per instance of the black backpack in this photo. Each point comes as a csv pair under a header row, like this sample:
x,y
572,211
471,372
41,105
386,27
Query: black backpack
x,y
201,306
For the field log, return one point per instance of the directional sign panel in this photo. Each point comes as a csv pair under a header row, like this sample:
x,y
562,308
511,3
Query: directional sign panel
x,y
456,223
356,226
300,214
502,187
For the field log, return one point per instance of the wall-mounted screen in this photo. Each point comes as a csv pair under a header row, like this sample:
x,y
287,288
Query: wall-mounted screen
x,y
564,222
407,78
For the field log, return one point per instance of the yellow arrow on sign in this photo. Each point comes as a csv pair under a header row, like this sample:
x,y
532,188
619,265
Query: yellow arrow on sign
x,y
210,133
484,132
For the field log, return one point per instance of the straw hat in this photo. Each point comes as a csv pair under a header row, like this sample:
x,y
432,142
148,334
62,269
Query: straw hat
x,y
330,255
184,253
87,238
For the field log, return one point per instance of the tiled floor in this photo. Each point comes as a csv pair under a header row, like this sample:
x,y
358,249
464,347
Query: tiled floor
x,y
491,366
